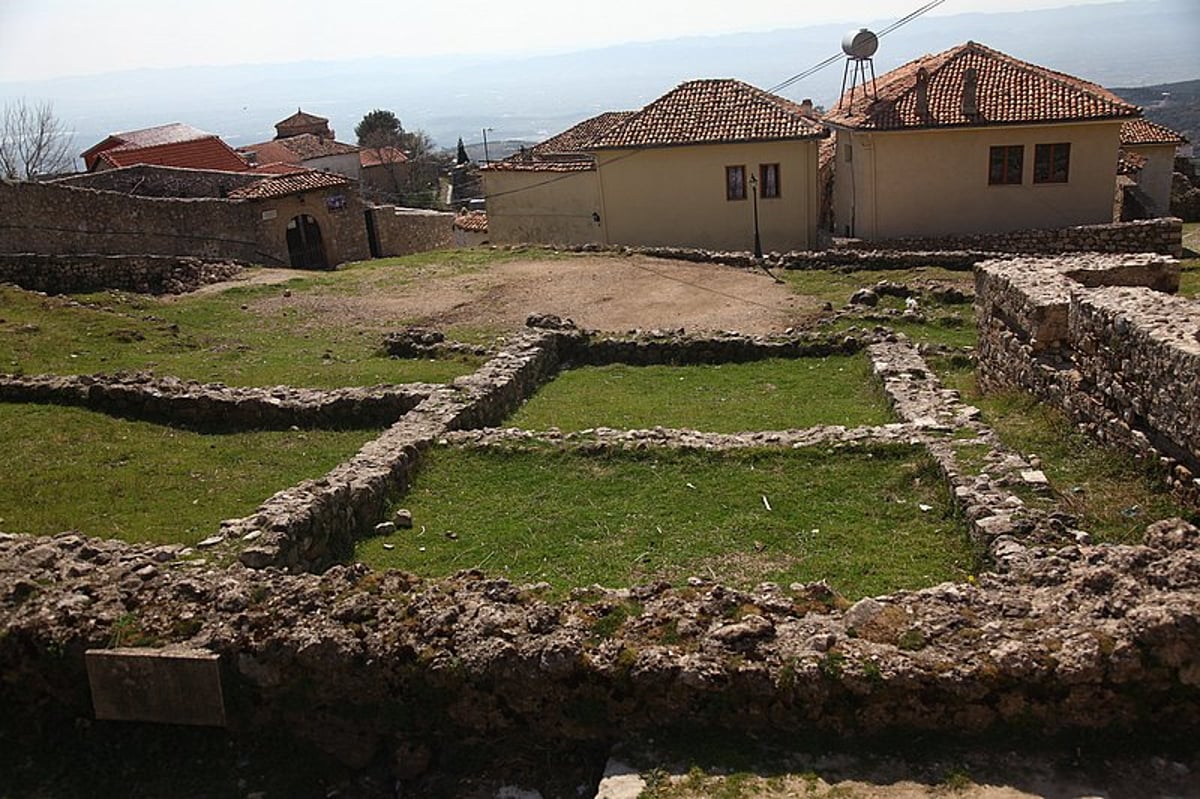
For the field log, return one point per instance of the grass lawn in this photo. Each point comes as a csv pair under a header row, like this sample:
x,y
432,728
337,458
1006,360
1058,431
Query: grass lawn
x,y
1113,495
74,469
775,394
1189,282
574,520
211,337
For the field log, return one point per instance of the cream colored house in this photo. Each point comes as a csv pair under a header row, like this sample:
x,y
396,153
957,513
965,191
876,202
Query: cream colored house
x,y
687,170
974,141
1148,157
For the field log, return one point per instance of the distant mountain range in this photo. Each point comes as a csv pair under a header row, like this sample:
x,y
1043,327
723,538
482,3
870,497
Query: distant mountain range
x,y
1133,43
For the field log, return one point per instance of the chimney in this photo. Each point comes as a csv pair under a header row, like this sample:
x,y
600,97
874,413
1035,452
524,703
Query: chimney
x,y
806,107
922,92
970,99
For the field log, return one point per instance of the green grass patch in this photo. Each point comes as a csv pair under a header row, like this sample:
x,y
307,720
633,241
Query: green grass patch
x,y
775,394
836,286
210,338
851,517
74,469
1189,278
954,326
1113,495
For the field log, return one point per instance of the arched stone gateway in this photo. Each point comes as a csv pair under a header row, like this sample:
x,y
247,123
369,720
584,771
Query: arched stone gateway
x,y
305,249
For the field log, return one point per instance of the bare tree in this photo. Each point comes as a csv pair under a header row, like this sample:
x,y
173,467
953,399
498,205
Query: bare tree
x,y
33,141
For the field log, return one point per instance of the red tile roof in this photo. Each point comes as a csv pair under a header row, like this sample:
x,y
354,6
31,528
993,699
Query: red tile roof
x,y
279,168
297,149
378,156
712,112
301,122
1008,91
472,222
575,139
528,163
173,133
207,153
1143,131
282,185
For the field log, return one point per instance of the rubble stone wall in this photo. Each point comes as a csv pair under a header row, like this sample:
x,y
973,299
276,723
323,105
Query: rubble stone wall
x,y
53,219
146,180
1123,361
146,274
1163,235
403,231
1062,639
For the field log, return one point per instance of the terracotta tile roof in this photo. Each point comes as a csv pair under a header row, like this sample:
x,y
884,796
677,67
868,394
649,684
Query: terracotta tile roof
x,y
297,149
1130,163
282,185
528,163
279,168
378,156
1143,131
712,112
173,133
576,138
1008,91
207,153
472,222
301,122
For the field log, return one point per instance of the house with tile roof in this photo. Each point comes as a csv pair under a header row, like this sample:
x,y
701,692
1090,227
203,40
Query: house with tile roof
x,y
974,141
174,145
309,151
698,167
1148,159
301,123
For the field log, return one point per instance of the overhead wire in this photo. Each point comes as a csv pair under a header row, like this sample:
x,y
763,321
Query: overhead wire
x,y
815,68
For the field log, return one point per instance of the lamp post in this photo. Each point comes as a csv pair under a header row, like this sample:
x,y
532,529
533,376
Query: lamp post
x,y
486,158
758,253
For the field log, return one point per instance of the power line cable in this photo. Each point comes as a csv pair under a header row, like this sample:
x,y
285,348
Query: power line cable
x,y
815,68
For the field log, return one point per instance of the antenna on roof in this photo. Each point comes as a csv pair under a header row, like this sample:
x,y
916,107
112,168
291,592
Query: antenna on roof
x,y
859,47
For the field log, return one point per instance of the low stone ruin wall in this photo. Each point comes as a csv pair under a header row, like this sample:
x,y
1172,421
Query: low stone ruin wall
x,y
215,406
1063,639
145,274
1163,236
1121,359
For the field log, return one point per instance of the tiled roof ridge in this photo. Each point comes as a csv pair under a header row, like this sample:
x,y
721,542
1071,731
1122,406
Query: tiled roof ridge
x,y
1146,131
898,89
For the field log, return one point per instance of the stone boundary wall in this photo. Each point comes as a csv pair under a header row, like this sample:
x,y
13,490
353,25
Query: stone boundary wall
x,y
403,231
215,406
145,274
1064,639
1163,236
146,180
52,219
1124,362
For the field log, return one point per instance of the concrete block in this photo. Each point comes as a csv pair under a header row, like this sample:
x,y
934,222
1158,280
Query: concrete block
x,y
166,686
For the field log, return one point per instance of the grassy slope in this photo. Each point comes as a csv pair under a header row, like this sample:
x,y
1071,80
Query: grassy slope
x,y
211,337
728,398
1189,283
573,520
73,469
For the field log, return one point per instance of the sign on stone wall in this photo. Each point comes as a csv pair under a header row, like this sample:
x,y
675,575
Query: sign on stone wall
x,y
167,686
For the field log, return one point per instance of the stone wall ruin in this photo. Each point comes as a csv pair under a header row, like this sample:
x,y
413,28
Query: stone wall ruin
x,y
1062,638
1099,338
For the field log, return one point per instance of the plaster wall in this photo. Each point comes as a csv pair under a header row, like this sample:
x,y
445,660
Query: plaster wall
x,y
896,184
543,207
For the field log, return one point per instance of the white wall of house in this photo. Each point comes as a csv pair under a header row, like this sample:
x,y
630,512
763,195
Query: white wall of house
x,y
676,196
347,164
543,207
891,184
1156,176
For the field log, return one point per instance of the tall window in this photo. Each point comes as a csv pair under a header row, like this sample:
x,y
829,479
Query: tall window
x,y
1005,163
735,182
768,180
1051,163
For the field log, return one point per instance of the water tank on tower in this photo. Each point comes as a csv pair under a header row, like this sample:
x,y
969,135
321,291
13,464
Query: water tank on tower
x,y
859,47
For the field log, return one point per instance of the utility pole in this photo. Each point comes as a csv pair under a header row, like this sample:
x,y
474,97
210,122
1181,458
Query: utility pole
x,y
758,253
486,158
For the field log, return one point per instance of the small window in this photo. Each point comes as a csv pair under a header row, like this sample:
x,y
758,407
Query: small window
x,y
1051,163
735,183
1005,163
768,179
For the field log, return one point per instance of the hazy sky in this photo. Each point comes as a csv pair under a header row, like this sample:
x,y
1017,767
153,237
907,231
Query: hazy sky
x,y
51,38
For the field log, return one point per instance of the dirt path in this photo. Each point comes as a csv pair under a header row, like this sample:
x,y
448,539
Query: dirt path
x,y
600,292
